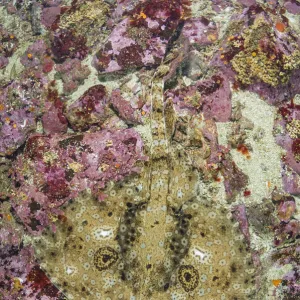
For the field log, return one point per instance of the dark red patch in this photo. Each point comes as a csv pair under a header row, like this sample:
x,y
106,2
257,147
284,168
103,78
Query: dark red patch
x,y
66,44
244,150
56,187
130,57
103,61
87,106
284,111
247,193
296,149
216,83
36,146
172,11
38,278
48,66
90,98
52,93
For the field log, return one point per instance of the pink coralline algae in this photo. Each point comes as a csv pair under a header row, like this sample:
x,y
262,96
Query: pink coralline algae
x,y
219,5
125,111
286,232
9,43
34,54
90,109
212,96
141,38
38,57
200,31
50,15
15,264
239,212
65,44
247,2
289,140
290,181
216,98
53,119
286,210
18,266
120,51
248,47
20,105
57,168
292,6
234,179
291,280
289,159
287,228
161,17
15,126
281,93
21,277
72,72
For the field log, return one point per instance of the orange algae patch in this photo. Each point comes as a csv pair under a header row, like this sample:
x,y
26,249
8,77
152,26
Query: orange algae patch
x,y
244,150
218,179
280,27
143,15
276,282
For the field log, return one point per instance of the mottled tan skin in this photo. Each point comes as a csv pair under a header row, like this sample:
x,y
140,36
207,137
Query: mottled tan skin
x,y
168,242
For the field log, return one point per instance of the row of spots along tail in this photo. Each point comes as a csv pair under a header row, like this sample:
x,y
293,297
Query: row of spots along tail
x,y
153,237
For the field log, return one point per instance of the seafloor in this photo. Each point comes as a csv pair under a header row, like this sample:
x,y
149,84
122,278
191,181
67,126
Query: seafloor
x,y
149,149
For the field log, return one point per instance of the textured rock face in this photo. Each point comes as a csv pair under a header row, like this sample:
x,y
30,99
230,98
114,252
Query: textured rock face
x,y
56,169
91,108
149,149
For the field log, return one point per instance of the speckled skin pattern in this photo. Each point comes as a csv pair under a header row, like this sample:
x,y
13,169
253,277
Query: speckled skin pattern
x,y
149,149
153,237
